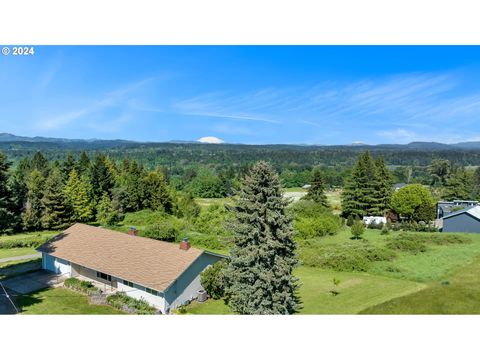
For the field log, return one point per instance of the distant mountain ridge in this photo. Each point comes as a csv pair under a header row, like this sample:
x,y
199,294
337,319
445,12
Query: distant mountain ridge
x,y
417,145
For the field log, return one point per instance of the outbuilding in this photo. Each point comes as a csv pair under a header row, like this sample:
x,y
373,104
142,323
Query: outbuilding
x,y
164,274
466,220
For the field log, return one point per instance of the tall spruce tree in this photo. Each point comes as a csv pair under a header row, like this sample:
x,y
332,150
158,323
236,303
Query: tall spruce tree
x,y
459,185
32,216
358,197
77,196
157,193
316,192
101,177
259,275
383,187
68,165
7,214
57,212
83,164
40,163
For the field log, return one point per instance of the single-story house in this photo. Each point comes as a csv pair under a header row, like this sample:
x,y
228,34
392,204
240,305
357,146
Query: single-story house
x,y
466,220
447,207
164,274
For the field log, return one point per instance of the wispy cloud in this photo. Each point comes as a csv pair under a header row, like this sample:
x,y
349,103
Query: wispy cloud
x,y
116,98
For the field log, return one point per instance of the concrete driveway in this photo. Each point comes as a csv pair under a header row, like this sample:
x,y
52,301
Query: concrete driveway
x,y
27,283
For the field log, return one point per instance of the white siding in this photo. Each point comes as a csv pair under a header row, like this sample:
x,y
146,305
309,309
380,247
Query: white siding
x,y
53,264
139,292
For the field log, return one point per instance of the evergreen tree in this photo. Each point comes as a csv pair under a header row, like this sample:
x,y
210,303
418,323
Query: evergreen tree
x,y
40,163
19,190
76,193
316,192
262,259
7,214
68,165
459,185
358,197
476,184
32,216
383,187
101,177
57,213
157,192
83,164
439,170
106,214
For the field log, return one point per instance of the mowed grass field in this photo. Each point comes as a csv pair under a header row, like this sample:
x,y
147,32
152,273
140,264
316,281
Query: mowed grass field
x,y
60,301
357,291
445,279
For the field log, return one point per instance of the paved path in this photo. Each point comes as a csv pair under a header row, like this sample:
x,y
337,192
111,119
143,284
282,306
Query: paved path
x,y
21,257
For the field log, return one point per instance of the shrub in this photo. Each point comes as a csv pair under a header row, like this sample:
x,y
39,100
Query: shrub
x,y
408,243
27,242
350,220
319,226
85,287
165,231
144,218
213,279
385,230
357,229
212,220
446,239
128,304
345,257
313,220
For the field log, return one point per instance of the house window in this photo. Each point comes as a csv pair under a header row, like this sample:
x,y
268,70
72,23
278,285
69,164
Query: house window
x,y
128,283
104,276
151,291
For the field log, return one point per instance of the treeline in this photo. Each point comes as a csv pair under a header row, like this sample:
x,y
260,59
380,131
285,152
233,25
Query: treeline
x,y
369,189
292,162
40,194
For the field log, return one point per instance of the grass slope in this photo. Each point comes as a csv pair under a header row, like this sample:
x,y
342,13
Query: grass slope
x,y
60,301
460,296
357,292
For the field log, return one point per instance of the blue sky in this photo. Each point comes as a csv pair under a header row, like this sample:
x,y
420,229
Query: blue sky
x,y
255,95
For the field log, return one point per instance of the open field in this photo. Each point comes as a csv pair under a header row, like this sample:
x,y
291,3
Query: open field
x,y
60,301
458,293
356,292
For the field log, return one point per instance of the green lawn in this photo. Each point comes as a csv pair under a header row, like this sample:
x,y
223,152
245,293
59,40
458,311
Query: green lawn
x,y
6,253
357,292
60,301
458,293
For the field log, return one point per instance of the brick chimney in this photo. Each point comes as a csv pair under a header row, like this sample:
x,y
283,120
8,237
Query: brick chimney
x,y
185,244
133,231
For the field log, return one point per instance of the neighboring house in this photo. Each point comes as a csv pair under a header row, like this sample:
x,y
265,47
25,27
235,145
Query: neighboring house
x,y
164,274
398,186
466,220
447,207
374,219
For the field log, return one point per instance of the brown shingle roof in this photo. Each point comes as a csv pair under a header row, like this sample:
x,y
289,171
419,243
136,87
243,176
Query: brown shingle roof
x,y
151,263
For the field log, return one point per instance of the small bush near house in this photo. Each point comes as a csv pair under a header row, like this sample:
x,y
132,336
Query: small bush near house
x,y
128,304
357,229
85,287
213,279
408,243
345,257
165,230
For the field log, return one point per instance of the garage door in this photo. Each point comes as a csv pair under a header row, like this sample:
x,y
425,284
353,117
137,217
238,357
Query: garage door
x,y
53,264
